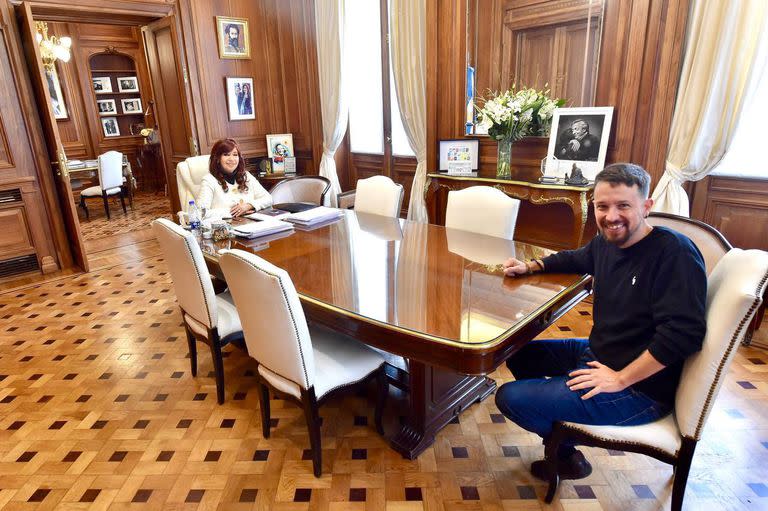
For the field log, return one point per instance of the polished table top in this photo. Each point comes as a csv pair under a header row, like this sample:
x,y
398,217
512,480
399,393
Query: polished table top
x,y
438,288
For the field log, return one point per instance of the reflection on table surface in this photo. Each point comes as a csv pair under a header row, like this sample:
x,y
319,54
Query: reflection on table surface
x,y
436,283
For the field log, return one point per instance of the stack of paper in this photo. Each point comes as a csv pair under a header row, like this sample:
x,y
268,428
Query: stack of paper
x,y
259,228
315,216
75,164
91,163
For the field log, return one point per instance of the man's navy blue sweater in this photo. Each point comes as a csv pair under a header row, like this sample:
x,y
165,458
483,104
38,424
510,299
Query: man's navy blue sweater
x,y
651,295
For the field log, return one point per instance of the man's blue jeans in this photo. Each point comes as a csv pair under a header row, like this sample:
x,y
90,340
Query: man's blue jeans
x,y
534,402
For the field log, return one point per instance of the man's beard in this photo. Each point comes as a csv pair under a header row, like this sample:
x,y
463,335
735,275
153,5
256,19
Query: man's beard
x,y
619,236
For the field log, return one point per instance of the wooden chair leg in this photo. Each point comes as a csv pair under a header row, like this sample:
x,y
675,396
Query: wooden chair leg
x,y
550,457
309,403
218,367
106,203
382,382
265,410
85,207
682,469
192,343
122,201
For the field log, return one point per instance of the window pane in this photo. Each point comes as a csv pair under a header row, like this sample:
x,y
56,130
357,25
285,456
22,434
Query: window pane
x,y
363,45
400,145
744,157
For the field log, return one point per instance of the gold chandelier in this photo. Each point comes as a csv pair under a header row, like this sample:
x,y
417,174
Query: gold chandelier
x,y
52,48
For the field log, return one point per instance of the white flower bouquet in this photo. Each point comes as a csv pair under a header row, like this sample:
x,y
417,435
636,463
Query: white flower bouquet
x,y
512,115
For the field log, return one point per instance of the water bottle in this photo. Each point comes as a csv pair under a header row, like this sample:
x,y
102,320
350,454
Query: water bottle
x,y
193,217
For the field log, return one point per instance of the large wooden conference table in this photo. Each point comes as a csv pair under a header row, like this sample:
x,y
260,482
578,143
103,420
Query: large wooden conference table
x,y
435,296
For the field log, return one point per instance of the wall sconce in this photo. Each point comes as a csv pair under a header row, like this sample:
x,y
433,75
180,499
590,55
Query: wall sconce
x,y
52,48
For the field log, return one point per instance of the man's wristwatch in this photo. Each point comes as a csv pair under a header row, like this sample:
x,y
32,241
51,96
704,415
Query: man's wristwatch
x,y
532,267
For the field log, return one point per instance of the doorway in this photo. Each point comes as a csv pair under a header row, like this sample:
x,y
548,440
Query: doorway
x,y
104,99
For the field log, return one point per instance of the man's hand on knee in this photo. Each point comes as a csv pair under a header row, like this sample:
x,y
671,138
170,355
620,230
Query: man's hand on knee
x,y
600,378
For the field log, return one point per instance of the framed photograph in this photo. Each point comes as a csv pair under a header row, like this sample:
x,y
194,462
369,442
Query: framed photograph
x,y
131,106
54,92
102,85
127,84
233,38
240,99
106,106
280,146
110,127
579,138
460,156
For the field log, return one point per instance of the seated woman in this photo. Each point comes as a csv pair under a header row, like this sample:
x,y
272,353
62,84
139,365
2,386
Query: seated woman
x,y
229,189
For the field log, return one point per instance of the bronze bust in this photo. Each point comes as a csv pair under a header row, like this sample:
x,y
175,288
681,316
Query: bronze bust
x,y
576,178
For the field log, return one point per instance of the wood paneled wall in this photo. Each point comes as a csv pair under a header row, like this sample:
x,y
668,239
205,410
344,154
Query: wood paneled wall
x,y
283,66
638,74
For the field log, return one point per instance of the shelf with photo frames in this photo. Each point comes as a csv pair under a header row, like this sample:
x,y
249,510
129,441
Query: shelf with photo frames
x,y
115,82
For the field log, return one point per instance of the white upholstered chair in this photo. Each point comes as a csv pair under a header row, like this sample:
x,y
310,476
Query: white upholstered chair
x,y
189,175
378,195
307,189
110,182
734,290
483,210
305,364
208,317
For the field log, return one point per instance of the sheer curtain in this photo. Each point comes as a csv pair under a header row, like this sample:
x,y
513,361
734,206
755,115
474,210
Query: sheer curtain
x,y
720,59
329,27
409,66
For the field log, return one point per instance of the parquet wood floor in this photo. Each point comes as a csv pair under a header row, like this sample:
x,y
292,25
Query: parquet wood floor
x,y
146,207
98,410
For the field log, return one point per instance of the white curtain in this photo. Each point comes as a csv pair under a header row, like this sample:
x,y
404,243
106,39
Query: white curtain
x,y
721,49
408,27
329,27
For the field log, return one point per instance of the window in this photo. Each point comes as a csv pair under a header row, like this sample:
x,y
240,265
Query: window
x,y
375,125
744,156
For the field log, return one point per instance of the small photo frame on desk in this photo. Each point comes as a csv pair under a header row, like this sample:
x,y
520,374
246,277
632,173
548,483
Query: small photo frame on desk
x,y
459,157
578,138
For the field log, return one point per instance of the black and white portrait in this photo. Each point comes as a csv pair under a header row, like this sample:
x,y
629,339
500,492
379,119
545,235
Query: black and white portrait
x,y
102,85
106,106
128,84
131,106
580,136
110,127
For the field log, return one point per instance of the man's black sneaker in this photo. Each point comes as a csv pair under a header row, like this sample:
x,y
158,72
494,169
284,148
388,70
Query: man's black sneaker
x,y
575,466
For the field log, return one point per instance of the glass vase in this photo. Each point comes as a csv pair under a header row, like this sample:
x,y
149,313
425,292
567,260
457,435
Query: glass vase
x,y
504,158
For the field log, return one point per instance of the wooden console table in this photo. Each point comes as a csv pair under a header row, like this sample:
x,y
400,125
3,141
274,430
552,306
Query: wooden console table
x,y
556,216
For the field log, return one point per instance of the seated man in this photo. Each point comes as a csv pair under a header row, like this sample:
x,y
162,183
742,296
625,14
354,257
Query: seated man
x,y
649,299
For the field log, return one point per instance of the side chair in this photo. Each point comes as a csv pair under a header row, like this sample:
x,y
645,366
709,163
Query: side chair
x,y
110,183
734,292
482,210
307,189
208,317
378,195
306,364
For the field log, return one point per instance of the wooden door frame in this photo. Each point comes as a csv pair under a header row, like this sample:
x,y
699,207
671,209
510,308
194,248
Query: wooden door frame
x,y
119,12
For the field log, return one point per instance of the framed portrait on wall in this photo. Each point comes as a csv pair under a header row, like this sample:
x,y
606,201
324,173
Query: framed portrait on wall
x,y
578,139
233,38
240,99
102,85
110,127
106,106
127,84
54,92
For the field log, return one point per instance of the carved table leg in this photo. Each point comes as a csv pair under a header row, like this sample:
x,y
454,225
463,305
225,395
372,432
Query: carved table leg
x,y
436,397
